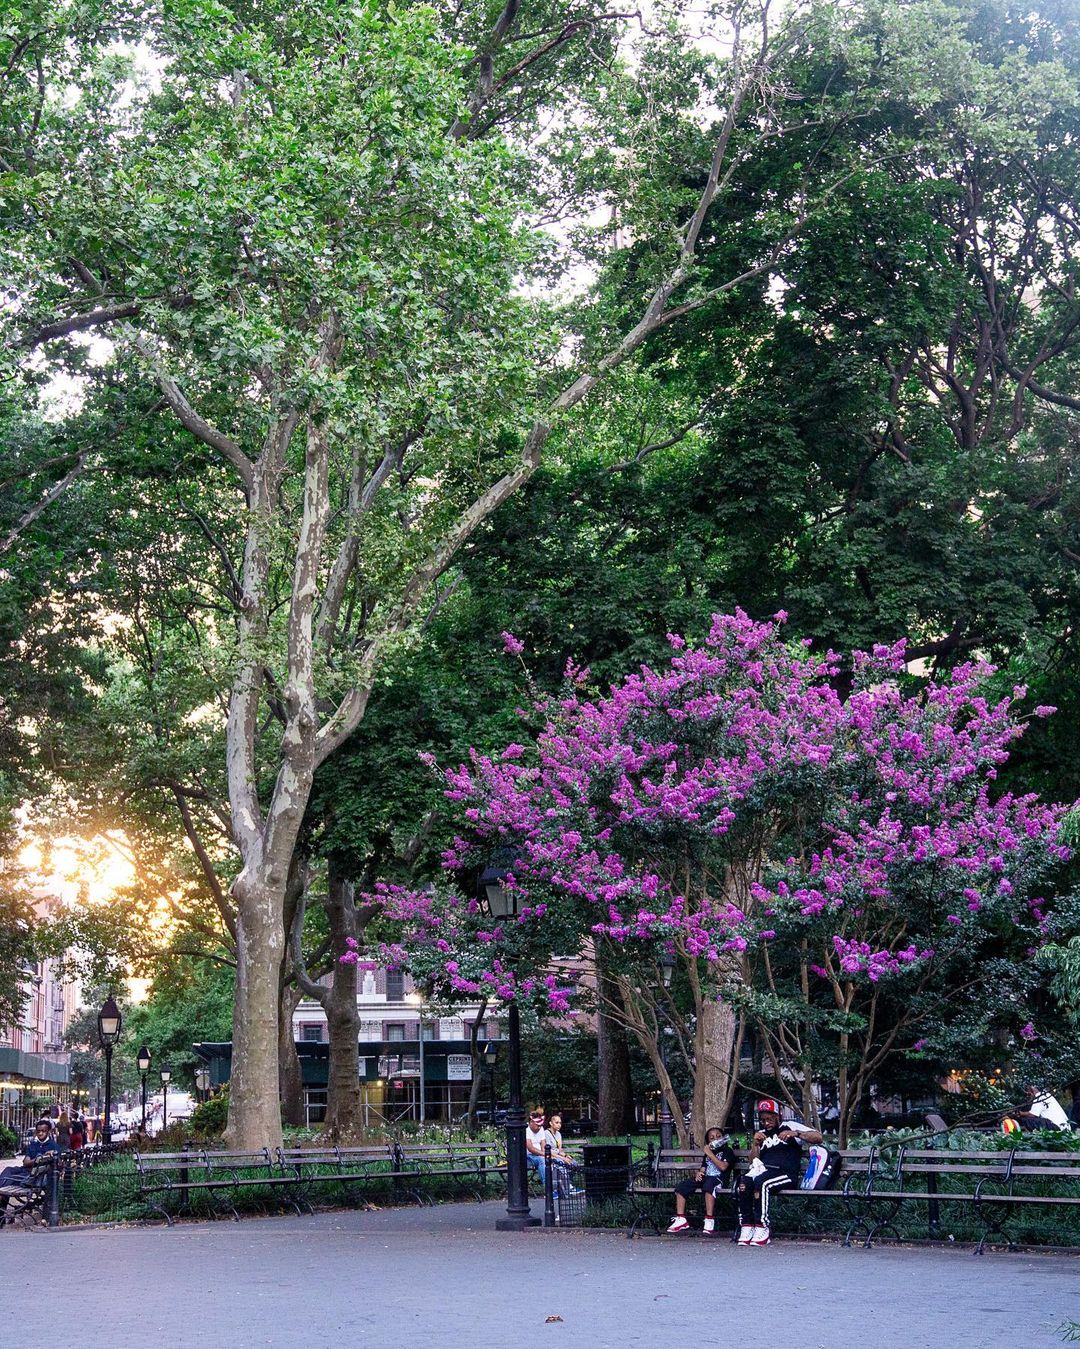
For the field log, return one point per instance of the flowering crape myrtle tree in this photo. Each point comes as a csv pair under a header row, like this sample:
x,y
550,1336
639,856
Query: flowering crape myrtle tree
x,y
830,874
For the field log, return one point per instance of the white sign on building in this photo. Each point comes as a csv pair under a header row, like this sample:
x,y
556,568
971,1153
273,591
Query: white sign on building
x,y
458,1068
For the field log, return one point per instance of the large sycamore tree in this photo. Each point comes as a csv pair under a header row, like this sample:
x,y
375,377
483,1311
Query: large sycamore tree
x,y
312,245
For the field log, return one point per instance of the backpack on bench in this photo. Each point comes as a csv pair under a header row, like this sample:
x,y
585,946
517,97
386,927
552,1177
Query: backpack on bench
x,y
822,1167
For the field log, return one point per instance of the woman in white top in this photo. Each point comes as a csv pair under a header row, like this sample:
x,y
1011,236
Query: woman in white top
x,y
561,1161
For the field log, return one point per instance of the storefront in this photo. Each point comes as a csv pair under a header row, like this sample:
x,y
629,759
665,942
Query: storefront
x,y
29,1085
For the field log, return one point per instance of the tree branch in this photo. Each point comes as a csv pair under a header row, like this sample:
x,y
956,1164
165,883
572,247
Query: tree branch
x,y
43,502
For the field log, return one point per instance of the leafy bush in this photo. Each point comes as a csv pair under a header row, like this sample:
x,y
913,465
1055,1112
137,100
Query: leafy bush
x,y
9,1141
209,1119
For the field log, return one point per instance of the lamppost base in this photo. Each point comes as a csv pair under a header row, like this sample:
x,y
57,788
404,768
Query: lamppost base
x,y
516,1224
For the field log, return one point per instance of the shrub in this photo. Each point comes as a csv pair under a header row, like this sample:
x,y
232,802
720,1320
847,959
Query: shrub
x,y
9,1141
209,1118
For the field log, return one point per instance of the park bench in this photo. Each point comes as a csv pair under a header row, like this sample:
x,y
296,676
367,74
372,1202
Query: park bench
x,y
349,1170
216,1176
465,1165
992,1184
668,1166
28,1199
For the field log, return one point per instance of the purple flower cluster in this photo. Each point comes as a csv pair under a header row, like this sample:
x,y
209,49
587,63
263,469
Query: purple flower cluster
x,y
733,798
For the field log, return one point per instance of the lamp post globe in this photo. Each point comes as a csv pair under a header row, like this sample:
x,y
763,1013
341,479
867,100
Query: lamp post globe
x,y
503,902
109,1025
143,1060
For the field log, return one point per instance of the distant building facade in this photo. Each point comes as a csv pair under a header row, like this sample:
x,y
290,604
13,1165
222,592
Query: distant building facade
x,y
34,1063
398,1037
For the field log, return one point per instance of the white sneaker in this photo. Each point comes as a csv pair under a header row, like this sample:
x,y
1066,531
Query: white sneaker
x,y
760,1236
710,1225
679,1225
746,1235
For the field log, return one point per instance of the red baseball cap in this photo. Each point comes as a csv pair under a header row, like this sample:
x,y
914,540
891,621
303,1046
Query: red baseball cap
x,y
767,1107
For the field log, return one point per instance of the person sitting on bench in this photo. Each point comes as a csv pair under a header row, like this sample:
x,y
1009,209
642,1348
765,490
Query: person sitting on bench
x,y
774,1165
15,1179
535,1138
716,1164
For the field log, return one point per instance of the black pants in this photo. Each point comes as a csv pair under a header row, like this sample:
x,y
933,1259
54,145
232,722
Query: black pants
x,y
753,1194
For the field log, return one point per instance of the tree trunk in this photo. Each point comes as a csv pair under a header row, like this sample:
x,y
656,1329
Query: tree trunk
x,y
254,1109
344,1113
290,1074
716,1068
615,1096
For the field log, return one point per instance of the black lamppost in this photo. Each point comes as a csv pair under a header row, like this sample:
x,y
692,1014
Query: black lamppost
x,y
667,969
503,904
143,1061
109,1022
202,1083
166,1078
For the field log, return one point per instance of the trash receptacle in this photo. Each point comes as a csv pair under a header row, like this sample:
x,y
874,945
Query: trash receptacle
x,y
607,1170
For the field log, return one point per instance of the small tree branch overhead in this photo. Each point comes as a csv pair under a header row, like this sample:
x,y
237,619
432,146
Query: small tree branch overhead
x,y
43,502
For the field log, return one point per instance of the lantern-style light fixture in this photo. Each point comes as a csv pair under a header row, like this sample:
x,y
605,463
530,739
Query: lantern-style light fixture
x,y
143,1059
109,1022
166,1076
501,901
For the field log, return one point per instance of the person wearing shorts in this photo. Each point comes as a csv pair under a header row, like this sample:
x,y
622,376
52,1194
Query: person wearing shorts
x,y
717,1162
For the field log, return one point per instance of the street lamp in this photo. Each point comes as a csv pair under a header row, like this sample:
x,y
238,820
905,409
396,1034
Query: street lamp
x,y
166,1078
667,970
202,1082
109,1023
416,999
143,1061
503,903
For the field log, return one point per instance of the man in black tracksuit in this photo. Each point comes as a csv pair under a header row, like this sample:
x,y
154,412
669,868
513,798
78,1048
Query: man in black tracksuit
x,y
775,1159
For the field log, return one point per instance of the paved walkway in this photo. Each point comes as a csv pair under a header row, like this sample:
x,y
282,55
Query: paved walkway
x,y
444,1277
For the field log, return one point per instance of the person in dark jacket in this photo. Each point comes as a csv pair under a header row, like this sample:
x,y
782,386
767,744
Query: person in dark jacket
x,y
775,1159
38,1150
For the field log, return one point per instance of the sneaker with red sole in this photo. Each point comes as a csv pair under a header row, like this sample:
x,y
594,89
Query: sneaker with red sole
x,y
760,1237
679,1225
746,1235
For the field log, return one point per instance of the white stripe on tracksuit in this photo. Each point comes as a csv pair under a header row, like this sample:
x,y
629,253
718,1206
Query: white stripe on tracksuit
x,y
772,1183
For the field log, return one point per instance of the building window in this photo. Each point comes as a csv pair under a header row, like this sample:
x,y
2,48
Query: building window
x,y
395,985
429,1030
311,1031
395,1031
481,1031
